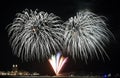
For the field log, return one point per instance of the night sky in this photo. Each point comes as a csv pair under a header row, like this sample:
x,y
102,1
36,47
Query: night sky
x,y
64,9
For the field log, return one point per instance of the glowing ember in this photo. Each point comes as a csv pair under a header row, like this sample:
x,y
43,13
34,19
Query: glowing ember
x,y
57,62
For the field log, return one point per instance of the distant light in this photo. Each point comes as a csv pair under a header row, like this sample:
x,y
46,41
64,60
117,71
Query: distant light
x,y
105,76
13,65
16,65
109,75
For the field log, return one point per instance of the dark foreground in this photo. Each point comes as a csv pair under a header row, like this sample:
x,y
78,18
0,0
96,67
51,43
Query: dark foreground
x,y
51,76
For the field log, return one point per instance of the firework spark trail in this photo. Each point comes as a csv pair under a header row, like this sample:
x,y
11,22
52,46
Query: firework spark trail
x,y
35,34
85,35
39,34
57,62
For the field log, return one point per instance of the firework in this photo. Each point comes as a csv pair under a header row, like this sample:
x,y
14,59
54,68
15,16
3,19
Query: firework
x,y
86,35
57,62
35,34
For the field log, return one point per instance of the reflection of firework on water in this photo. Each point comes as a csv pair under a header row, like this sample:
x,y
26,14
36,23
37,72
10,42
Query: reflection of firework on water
x,y
35,34
57,62
85,35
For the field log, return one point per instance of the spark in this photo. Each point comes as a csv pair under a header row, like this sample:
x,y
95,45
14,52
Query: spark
x,y
57,62
86,35
38,35
35,34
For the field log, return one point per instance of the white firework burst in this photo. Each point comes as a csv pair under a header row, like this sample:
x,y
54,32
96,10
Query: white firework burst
x,y
35,34
86,35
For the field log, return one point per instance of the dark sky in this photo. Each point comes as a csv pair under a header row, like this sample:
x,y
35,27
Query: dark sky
x,y
64,9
